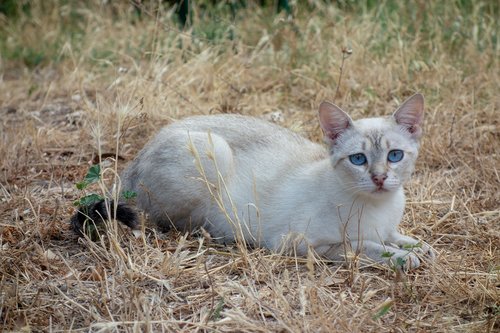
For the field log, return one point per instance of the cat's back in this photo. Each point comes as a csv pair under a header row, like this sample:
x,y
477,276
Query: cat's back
x,y
241,132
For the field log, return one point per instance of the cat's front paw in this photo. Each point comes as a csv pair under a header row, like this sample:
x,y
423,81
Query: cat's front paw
x,y
421,249
426,251
412,256
404,261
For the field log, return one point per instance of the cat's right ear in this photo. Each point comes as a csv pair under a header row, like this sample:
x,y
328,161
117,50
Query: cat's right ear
x,y
333,120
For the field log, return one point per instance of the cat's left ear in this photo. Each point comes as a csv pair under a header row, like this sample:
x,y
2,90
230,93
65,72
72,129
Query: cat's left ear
x,y
410,115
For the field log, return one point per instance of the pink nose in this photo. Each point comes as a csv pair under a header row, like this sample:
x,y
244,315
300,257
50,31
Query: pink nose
x,y
379,179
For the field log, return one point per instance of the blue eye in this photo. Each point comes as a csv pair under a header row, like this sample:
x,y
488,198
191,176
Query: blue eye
x,y
395,155
357,159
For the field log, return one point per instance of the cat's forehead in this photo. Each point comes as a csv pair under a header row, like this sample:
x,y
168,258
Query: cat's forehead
x,y
379,124
377,134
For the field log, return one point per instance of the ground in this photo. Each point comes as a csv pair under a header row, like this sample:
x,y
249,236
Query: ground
x,y
90,82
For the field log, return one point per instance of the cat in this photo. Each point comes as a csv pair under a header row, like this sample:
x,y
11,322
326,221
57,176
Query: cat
x,y
244,178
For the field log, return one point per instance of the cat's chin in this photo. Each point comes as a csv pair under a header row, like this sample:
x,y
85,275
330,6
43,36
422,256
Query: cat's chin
x,y
379,193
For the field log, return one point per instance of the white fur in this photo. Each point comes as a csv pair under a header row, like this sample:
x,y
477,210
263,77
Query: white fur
x,y
242,177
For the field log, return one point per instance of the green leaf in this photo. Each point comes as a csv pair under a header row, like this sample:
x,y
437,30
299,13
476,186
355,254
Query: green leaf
x,y
387,254
216,315
81,185
90,199
93,175
129,194
76,203
400,262
386,306
412,246
91,230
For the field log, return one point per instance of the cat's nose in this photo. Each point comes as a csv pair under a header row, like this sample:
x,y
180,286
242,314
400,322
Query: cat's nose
x,y
379,179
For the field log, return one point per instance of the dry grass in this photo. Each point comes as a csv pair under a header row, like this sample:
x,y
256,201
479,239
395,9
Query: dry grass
x,y
104,84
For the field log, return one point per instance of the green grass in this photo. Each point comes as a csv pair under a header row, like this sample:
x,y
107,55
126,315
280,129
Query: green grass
x,y
442,26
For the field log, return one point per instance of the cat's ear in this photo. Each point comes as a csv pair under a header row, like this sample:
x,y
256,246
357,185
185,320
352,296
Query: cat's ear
x,y
410,115
333,120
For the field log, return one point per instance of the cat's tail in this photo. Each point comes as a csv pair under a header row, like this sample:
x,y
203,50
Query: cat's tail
x,y
97,212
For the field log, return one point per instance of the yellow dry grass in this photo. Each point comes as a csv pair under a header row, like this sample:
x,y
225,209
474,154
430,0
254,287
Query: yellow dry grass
x,y
111,86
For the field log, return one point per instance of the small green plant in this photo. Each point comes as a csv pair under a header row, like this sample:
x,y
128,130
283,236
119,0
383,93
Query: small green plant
x,y
387,254
83,204
400,262
129,195
383,309
93,176
216,315
411,247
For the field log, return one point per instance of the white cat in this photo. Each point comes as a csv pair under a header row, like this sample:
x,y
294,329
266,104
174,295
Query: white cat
x,y
243,178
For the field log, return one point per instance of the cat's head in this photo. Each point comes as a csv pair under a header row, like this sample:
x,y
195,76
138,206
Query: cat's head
x,y
373,156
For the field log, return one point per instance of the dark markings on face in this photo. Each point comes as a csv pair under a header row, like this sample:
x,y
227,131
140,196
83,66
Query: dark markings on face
x,y
376,139
378,144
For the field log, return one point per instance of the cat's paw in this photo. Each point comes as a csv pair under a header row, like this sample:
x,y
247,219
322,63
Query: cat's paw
x,y
409,257
426,252
404,261
423,250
